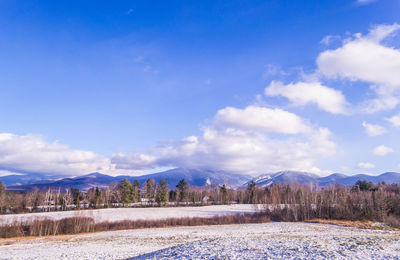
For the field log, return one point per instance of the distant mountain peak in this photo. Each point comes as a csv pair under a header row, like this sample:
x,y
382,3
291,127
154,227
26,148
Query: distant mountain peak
x,y
307,178
195,177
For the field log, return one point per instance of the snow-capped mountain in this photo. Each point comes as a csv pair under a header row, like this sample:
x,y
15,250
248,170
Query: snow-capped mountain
x,y
194,177
307,178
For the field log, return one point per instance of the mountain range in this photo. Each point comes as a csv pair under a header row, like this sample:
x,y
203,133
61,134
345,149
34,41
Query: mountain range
x,y
335,178
195,177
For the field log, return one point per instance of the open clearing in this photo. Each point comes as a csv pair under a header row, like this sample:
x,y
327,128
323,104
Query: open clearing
x,y
250,241
119,214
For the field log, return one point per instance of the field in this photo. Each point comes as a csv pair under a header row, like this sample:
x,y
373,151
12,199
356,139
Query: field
x,y
119,214
250,241
282,240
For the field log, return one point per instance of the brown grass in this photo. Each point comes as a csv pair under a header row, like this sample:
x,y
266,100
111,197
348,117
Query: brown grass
x,y
77,225
348,223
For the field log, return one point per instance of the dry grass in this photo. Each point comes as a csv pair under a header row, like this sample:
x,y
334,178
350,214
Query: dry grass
x,y
348,223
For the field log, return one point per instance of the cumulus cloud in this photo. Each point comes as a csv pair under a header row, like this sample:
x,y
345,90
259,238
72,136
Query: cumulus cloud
x,y
382,150
244,140
367,59
394,120
302,93
261,118
365,165
373,130
32,154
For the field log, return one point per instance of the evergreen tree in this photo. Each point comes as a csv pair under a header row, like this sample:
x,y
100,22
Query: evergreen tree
x,y
364,185
126,191
150,187
251,189
182,188
136,191
97,197
76,195
224,194
162,192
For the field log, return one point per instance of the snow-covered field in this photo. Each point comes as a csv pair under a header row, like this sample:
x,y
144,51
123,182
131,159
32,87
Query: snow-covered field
x,y
117,214
250,241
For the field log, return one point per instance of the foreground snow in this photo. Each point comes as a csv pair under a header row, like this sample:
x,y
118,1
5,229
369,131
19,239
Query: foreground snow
x,y
117,214
250,241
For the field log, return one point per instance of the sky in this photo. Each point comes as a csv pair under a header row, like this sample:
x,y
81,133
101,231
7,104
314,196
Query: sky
x,y
131,87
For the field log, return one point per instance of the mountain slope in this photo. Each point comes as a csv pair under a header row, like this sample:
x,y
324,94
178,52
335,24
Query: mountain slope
x,y
286,177
195,177
20,179
307,178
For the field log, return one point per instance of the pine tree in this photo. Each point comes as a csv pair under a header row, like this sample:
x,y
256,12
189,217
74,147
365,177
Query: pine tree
x,y
77,197
150,189
162,192
97,197
251,188
224,194
136,191
182,188
126,191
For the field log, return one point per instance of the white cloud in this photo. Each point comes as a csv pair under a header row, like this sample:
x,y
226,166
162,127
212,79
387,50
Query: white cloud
x,y
141,161
261,118
365,165
327,40
395,120
239,140
302,93
382,150
32,154
367,59
373,130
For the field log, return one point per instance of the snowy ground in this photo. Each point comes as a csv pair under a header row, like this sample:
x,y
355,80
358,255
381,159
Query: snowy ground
x,y
117,214
250,241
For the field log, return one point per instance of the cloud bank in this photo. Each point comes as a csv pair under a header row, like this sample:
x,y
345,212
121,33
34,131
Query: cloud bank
x,y
32,154
252,140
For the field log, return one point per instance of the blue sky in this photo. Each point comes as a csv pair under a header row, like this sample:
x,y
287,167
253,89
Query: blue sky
x,y
134,86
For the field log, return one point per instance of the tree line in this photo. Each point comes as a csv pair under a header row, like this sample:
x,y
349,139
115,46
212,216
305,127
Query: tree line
x,y
123,194
295,202
362,201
